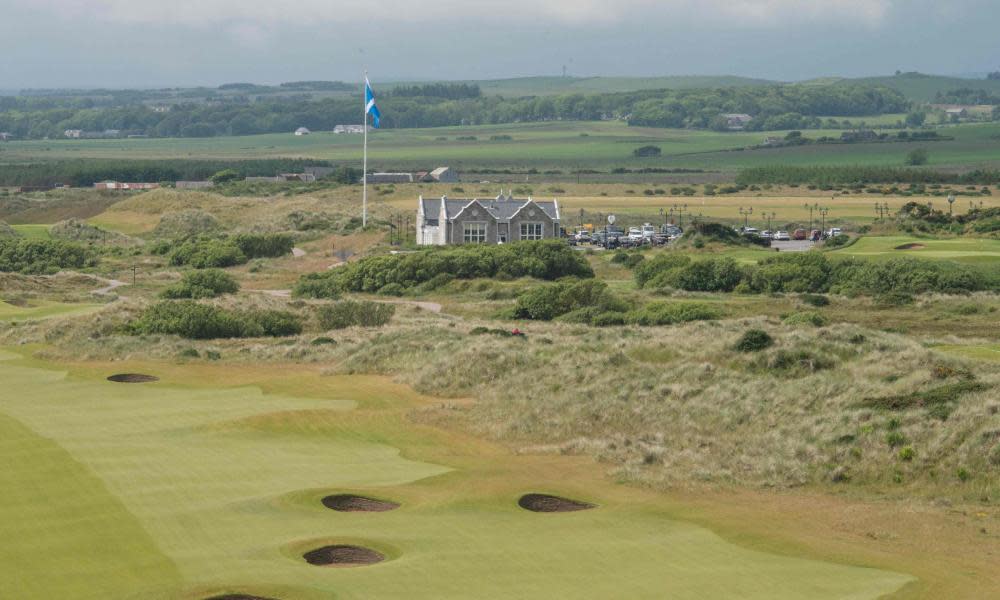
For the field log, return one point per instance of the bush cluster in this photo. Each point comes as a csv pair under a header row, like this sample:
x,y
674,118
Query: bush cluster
x,y
205,253
548,259
192,320
810,273
34,257
202,284
350,313
590,296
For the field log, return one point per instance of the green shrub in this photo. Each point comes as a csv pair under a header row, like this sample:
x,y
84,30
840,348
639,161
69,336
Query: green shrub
x,y
42,256
351,313
205,254
895,439
907,453
323,341
666,313
546,302
754,340
838,240
710,275
815,300
264,245
202,284
547,259
660,271
608,319
190,319
806,318
796,272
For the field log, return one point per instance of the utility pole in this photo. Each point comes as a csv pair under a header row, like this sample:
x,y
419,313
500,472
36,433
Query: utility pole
x,y
134,268
822,213
745,213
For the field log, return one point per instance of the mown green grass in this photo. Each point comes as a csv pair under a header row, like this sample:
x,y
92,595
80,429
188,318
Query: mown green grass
x,y
213,489
967,250
43,310
565,146
33,231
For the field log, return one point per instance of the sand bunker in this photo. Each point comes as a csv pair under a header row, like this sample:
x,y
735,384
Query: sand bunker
x,y
910,247
547,503
132,378
342,555
351,503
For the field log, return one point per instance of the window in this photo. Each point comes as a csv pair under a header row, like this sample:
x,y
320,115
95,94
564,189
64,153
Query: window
x,y
531,231
474,233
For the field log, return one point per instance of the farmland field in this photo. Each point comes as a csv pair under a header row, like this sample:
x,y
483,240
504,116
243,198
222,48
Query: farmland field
x,y
186,488
566,146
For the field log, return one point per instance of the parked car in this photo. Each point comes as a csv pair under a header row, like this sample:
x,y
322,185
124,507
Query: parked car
x,y
582,236
799,234
767,234
751,231
782,236
834,231
635,234
648,231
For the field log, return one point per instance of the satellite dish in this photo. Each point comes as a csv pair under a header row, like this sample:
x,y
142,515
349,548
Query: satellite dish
x,y
611,219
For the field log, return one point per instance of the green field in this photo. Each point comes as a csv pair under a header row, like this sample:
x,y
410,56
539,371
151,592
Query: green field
x,y
171,490
33,231
566,146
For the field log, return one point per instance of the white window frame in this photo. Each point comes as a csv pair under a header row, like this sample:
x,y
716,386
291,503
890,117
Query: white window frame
x,y
482,229
523,229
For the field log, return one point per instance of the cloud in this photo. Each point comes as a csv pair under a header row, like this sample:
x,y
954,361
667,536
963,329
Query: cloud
x,y
265,14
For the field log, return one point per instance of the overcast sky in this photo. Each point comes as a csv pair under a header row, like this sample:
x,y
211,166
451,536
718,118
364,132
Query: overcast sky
x,y
140,43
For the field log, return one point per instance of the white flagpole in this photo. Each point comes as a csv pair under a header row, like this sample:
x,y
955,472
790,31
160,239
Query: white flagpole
x,y
364,168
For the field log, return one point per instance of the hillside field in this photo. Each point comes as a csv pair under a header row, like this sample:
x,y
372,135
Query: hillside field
x,y
564,146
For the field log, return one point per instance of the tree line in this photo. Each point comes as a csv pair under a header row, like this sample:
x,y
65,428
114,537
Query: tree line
x,y
773,107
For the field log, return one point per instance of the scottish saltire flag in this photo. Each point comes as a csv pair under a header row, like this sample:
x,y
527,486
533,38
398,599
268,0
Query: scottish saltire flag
x,y
370,108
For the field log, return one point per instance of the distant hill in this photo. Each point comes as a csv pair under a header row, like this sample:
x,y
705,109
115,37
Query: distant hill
x,y
541,86
923,88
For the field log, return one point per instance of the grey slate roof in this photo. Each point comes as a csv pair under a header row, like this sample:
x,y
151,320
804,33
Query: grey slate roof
x,y
501,207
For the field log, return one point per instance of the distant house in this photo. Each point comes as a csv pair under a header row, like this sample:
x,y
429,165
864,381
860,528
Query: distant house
x,y
319,172
442,221
162,108
737,121
350,129
194,185
773,141
265,180
124,187
303,177
957,113
443,175
73,133
6,137
302,131
390,178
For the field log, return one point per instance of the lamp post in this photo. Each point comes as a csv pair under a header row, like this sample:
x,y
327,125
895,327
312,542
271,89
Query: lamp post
x,y
745,213
680,210
822,213
769,218
663,216
951,204
811,208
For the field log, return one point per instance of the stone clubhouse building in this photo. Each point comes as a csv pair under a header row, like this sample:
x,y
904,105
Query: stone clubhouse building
x,y
445,221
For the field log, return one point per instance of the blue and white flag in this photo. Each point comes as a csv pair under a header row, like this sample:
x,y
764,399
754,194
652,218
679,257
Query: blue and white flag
x,y
370,108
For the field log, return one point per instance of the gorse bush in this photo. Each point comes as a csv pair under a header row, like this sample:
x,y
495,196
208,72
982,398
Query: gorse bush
x,y
549,259
205,254
42,256
264,245
668,313
811,273
190,319
202,284
754,340
546,302
350,313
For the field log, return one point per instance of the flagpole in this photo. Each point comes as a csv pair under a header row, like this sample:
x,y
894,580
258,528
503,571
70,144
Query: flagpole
x,y
364,168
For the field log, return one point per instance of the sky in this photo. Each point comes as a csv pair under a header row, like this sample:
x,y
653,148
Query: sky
x,y
149,43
